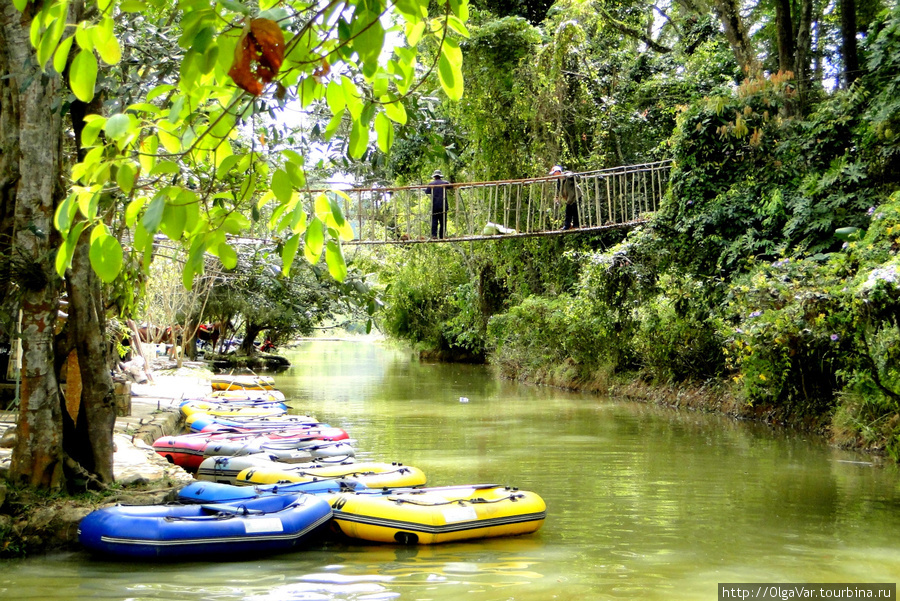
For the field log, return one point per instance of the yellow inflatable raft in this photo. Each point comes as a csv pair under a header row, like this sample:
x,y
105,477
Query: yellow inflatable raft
x,y
275,396
373,475
243,383
224,410
437,515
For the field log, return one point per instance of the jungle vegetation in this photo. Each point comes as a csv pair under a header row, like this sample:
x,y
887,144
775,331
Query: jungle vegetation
x,y
770,272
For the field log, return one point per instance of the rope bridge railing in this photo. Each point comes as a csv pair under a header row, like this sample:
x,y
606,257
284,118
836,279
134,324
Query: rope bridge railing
x,y
616,197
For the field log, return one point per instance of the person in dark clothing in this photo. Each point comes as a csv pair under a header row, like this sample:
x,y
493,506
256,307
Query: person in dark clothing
x,y
567,189
437,188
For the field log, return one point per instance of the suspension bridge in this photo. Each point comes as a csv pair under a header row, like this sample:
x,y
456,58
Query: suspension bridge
x,y
611,198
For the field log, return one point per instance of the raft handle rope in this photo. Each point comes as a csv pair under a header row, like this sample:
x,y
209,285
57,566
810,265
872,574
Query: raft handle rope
x,y
476,501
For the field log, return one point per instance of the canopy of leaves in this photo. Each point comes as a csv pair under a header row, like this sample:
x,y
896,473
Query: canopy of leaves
x,y
173,161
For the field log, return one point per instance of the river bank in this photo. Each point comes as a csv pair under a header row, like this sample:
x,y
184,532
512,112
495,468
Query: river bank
x,y
33,523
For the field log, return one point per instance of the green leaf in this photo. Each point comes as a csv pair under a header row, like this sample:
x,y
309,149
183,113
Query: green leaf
x,y
125,177
20,6
460,8
235,223
333,125
91,131
359,140
105,42
228,256
849,234
117,126
133,210
310,90
105,254
61,56
294,157
282,186
159,91
173,220
369,35
452,52
133,6
83,37
334,258
164,167
414,32
154,214
65,213
234,6
458,26
288,252
451,78
394,109
380,85
226,165
298,178
315,240
189,202
67,249
88,201
147,158
83,75
385,130
170,142
334,96
352,97
49,42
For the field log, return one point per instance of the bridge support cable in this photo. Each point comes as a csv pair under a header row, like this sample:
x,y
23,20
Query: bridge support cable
x,y
611,198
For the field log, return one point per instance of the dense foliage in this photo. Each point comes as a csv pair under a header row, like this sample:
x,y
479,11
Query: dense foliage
x,y
770,270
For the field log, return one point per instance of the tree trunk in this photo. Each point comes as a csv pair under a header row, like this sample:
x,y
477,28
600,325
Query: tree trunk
x,y
252,331
32,131
729,13
801,56
93,446
848,42
784,25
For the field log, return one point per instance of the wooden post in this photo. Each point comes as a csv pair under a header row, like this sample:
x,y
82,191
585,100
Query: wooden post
x,y
609,217
633,208
359,215
518,205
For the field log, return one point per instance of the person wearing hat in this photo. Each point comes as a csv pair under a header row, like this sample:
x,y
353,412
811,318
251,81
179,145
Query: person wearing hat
x,y
567,189
437,188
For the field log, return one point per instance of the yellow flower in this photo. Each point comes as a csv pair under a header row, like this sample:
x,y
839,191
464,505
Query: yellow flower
x,y
762,377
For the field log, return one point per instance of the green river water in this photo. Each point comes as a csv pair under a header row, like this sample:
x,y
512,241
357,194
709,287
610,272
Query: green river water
x,y
643,502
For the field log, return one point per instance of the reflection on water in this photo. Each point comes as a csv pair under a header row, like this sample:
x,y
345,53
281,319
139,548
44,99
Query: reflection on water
x,y
642,502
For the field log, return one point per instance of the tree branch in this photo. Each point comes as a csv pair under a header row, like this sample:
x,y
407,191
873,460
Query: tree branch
x,y
634,33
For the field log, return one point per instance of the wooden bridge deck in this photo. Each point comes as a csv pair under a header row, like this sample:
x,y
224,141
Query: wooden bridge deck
x,y
611,198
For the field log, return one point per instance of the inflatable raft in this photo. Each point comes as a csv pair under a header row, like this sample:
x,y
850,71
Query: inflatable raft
x,y
437,515
189,450
372,474
263,525
204,422
251,409
225,470
247,395
216,492
243,383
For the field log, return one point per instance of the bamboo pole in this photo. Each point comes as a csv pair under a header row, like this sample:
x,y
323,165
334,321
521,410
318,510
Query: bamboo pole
x,y
518,205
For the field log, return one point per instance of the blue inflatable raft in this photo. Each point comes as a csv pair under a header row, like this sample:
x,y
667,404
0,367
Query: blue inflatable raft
x,y
216,492
262,525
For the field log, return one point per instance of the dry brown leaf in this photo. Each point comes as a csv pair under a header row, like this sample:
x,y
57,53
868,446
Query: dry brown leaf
x,y
257,56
